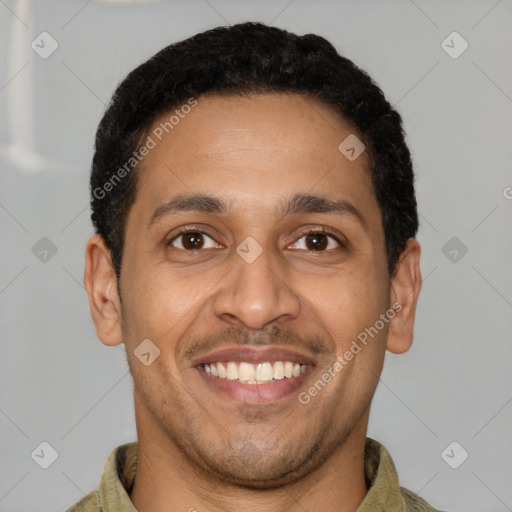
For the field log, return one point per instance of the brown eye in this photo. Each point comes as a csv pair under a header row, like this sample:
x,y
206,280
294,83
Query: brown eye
x,y
192,241
317,241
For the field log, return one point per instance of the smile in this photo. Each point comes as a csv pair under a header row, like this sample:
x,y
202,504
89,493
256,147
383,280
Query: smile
x,y
259,373
254,374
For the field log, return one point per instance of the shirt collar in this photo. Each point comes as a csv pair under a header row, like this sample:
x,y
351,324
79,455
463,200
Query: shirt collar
x,y
118,478
384,491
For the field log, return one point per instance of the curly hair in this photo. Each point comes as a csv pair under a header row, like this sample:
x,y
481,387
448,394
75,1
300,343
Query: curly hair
x,y
250,58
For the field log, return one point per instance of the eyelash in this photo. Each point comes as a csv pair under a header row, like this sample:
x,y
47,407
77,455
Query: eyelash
x,y
312,231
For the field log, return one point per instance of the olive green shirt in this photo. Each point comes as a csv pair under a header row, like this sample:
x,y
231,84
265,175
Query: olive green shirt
x,y
384,491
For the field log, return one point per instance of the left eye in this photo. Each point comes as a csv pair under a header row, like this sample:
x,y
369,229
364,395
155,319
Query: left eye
x,y
316,241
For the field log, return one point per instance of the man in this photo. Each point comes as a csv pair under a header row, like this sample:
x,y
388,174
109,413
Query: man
x,y
255,216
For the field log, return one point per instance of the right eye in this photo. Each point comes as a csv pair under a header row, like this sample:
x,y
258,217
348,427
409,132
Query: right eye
x,y
189,240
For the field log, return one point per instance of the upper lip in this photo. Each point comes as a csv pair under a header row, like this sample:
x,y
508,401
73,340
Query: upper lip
x,y
254,355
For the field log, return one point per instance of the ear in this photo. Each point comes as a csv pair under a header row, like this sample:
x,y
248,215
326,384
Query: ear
x,y
404,292
100,281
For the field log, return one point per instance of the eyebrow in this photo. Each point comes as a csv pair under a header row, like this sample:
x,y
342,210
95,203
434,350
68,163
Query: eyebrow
x,y
300,203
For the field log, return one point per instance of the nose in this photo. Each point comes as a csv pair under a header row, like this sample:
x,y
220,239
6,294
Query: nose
x,y
256,294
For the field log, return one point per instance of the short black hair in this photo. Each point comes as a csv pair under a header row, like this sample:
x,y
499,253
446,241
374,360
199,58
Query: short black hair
x,y
249,58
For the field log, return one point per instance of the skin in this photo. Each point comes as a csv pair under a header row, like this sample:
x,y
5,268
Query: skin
x,y
198,448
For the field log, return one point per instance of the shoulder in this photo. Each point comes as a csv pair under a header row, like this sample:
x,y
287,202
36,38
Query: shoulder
x,y
89,503
414,503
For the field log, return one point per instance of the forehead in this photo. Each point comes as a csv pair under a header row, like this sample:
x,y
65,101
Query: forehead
x,y
255,151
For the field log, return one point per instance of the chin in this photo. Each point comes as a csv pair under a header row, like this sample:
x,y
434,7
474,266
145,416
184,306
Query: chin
x,y
252,467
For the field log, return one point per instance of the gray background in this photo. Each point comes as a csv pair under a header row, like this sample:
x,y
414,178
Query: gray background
x,y
59,384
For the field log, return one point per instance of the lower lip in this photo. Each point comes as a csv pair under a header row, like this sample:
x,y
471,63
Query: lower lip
x,y
255,393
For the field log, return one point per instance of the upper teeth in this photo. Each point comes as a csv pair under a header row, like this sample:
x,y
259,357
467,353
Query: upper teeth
x,y
259,373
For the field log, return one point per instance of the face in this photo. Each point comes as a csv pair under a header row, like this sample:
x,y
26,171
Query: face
x,y
254,257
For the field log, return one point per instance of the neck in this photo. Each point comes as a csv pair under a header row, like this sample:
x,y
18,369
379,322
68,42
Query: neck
x,y
168,480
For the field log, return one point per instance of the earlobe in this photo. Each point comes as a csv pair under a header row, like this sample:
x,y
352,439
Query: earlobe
x,y
100,282
405,290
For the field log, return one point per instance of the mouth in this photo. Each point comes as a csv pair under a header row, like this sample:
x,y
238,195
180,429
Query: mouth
x,y
251,375
248,373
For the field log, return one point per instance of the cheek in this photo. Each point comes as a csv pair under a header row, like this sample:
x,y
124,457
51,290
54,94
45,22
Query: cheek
x,y
160,301
348,305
